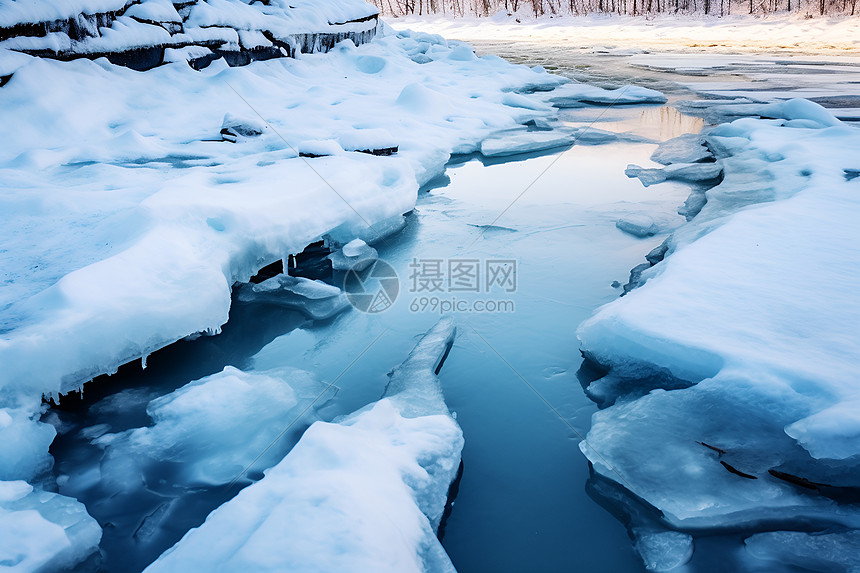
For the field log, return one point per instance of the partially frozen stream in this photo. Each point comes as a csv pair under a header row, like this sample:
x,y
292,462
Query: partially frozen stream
x,y
512,376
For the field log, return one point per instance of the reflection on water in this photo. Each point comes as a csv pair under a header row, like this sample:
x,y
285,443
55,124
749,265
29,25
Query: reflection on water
x,y
657,123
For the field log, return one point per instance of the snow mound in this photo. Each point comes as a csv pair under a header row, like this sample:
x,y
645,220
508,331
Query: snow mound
x,y
364,494
749,322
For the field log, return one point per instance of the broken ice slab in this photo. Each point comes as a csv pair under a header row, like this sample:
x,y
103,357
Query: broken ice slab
x,y
576,94
214,429
519,141
638,225
687,172
687,148
364,494
43,531
314,298
355,255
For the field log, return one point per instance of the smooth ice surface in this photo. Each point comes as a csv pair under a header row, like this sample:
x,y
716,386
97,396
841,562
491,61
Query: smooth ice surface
x,y
365,494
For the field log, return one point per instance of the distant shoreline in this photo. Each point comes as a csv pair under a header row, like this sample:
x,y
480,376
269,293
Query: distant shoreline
x,y
678,33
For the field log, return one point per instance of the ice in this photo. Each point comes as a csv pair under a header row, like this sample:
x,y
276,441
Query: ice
x,y
364,494
356,255
686,148
814,552
576,94
513,143
747,323
43,531
128,222
316,299
664,550
214,428
689,172
24,442
638,225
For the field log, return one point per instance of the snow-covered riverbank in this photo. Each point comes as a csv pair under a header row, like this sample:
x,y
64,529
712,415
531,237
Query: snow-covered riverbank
x,y
681,33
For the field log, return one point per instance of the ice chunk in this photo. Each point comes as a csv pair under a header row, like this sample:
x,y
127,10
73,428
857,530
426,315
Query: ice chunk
x,y
638,225
214,428
576,94
689,172
319,148
365,494
518,141
43,531
356,255
24,442
687,148
316,299
811,551
709,326
663,550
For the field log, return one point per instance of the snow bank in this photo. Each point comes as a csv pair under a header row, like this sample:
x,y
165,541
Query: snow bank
x,y
137,33
129,214
364,494
750,323
700,36
165,220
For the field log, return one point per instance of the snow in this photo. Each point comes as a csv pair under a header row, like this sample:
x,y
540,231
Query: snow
x,y
128,220
364,494
749,324
574,94
14,12
625,36
166,220
516,142
43,531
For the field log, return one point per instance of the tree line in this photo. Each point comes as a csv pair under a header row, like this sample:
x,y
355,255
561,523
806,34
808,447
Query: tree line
x,y
461,8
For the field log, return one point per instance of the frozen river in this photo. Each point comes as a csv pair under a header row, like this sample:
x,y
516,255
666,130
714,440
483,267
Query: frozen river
x,y
513,376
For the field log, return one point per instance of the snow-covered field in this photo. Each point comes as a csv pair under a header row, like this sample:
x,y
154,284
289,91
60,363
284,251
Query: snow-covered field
x,y
702,35
134,201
